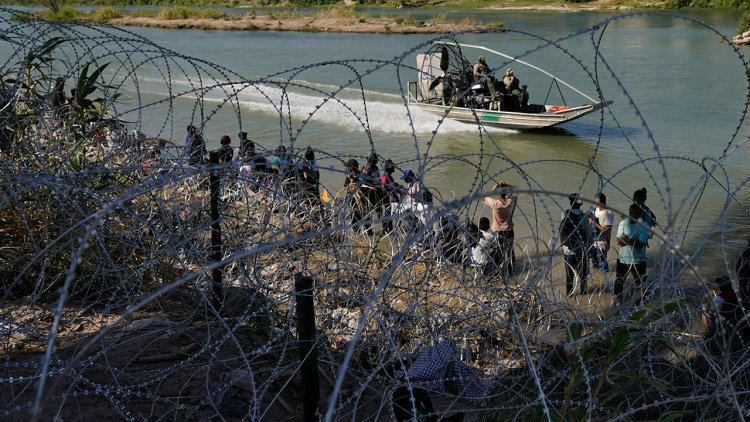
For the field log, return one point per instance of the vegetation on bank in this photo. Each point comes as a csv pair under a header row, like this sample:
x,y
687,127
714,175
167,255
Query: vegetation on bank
x,y
447,4
336,19
743,24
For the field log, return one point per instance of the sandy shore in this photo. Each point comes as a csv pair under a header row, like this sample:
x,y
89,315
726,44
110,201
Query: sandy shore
x,y
350,24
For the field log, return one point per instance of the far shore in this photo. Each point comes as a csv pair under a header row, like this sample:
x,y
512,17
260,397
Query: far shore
x,y
339,19
309,23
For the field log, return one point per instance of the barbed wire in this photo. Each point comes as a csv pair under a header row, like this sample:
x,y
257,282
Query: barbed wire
x,y
108,261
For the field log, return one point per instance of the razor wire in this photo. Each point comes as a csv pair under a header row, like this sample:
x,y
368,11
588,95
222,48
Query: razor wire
x,y
109,304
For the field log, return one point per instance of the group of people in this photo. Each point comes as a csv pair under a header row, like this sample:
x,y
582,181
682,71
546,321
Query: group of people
x,y
507,91
585,237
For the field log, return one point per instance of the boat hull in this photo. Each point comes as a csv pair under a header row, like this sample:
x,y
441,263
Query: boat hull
x,y
512,120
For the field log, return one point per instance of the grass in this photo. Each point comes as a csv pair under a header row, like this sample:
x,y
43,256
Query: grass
x,y
182,12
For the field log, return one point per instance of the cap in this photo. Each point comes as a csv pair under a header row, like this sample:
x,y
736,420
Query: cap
x,y
408,174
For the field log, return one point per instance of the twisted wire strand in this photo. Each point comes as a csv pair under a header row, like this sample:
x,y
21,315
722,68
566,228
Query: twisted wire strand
x,y
106,264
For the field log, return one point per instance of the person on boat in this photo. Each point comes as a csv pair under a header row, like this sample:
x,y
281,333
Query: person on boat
x,y
502,225
481,73
511,86
510,82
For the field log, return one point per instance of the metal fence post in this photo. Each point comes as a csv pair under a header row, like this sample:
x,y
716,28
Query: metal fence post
x,y
216,255
303,287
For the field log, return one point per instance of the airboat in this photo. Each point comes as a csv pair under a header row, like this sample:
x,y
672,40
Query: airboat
x,y
447,87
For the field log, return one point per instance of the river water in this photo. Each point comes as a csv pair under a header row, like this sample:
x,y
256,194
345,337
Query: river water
x,y
679,95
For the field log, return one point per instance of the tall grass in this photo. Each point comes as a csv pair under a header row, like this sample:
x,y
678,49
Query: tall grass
x,y
182,12
743,24
106,13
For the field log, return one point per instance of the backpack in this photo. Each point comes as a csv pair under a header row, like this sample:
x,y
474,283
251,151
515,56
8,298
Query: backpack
x,y
572,231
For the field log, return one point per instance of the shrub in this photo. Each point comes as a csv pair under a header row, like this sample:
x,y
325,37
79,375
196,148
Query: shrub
x,y
743,24
182,12
64,14
105,13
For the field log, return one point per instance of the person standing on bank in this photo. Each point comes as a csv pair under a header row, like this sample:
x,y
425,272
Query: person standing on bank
x,y
392,189
195,146
604,219
575,235
502,225
649,219
632,235
226,152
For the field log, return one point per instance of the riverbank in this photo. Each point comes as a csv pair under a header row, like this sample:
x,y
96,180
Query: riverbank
x,y
343,19
314,23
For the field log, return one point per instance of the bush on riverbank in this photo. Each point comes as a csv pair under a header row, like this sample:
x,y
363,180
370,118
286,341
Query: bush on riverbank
x,y
707,4
743,24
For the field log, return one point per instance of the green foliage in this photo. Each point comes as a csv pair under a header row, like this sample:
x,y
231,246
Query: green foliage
x,y
707,4
64,14
182,12
743,24
602,351
105,13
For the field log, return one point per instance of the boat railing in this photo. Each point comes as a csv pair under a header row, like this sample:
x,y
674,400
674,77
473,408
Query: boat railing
x,y
417,96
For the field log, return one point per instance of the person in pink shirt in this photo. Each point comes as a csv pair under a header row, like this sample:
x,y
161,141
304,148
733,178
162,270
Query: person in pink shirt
x,y
502,224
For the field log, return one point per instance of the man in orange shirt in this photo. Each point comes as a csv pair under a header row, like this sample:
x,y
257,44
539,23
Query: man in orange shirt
x,y
502,225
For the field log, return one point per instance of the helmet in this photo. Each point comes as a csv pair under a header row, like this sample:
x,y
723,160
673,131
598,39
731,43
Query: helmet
x,y
389,166
352,164
482,59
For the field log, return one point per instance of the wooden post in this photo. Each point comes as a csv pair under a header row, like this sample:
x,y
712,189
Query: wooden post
x,y
308,353
216,255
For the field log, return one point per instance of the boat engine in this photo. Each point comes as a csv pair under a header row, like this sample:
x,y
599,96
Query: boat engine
x,y
477,98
